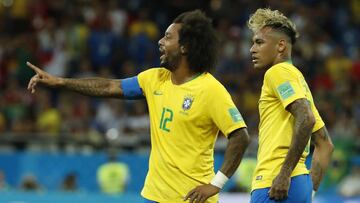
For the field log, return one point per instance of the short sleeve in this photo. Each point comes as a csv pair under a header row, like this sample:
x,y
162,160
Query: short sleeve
x,y
319,123
131,88
148,79
223,111
144,79
285,84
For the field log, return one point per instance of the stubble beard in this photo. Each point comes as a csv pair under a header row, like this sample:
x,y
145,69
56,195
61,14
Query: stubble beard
x,y
171,63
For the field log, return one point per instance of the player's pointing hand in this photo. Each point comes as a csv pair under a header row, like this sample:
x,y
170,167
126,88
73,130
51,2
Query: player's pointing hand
x,y
41,77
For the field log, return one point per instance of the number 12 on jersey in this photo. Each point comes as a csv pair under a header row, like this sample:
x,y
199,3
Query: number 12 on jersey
x,y
166,116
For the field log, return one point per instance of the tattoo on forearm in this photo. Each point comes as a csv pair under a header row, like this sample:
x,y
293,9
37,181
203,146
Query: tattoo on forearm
x,y
317,173
90,86
320,136
322,155
235,151
301,134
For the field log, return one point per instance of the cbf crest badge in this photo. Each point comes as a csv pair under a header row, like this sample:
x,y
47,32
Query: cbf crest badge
x,y
188,100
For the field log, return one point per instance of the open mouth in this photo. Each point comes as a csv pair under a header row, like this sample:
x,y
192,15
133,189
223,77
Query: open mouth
x,y
162,53
254,59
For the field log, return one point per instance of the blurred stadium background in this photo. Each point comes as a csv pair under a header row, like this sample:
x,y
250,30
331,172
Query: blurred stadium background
x,y
52,143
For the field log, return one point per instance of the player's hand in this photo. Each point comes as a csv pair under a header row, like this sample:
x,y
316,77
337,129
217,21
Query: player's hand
x,y
41,77
280,187
201,193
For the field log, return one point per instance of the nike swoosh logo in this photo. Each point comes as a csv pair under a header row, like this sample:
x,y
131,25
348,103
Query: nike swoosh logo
x,y
156,92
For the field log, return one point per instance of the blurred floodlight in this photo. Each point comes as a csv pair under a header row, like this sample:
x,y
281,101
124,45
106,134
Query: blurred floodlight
x,y
112,134
7,3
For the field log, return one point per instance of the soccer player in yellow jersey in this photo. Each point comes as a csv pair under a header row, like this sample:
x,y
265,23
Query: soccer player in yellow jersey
x,y
187,108
288,117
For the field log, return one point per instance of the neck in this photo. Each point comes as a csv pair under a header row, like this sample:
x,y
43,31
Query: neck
x,y
282,58
182,74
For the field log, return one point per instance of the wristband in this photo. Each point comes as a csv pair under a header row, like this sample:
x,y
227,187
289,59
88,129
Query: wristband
x,y
219,180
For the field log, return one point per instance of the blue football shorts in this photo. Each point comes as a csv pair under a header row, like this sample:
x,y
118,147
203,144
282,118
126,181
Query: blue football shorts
x,y
300,191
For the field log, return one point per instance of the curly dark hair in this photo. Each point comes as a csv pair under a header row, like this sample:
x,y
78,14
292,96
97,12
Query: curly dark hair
x,y
198,37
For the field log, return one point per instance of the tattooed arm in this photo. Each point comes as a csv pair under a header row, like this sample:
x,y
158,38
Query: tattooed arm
x,y
303,125
304,122
99,87
322,155
238,142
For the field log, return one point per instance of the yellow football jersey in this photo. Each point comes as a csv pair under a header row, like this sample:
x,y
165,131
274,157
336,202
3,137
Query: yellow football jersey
x,y
283,84
184,121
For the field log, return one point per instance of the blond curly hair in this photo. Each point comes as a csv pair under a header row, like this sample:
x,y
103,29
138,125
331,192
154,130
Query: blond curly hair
x,y
265,17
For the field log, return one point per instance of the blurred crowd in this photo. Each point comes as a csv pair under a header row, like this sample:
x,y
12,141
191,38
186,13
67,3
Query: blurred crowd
x,y
119,38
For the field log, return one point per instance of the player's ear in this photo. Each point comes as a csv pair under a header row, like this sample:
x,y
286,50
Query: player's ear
x,y
282,45
183,50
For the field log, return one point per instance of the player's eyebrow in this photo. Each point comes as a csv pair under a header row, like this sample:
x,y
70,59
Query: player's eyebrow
x,y
257,40
167,34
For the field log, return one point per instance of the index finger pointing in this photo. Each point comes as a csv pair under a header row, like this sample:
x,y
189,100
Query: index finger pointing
x,y
36,69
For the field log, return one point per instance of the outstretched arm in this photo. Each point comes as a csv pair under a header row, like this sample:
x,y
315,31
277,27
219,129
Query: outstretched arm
x,y
303,125
99,87
321,156
238,142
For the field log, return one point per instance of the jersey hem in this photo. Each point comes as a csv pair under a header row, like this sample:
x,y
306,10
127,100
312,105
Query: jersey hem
x,y
268,183
152,198
316,128
232,129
